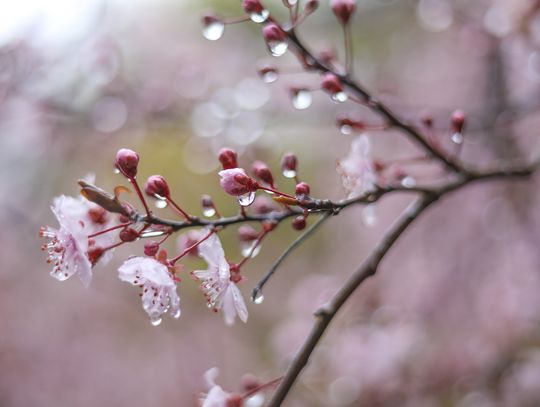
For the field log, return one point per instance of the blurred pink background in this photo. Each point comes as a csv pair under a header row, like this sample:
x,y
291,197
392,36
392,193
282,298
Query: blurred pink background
x,y
452,319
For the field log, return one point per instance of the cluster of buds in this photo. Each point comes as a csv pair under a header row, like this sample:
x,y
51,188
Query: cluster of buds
x,y
92,226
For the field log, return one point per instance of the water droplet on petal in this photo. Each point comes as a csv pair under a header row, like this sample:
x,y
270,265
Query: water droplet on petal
x,y
214,30
246,199
209,212
339,97
302,99
155,320
176,314
152,233
160,203
278,48
457,138
258,297
408,182
369,215
259,17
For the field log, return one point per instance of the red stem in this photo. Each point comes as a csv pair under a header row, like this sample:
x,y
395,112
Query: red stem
x,y
175,259
141,196
180,210
257,243
261,387
275,191
101,232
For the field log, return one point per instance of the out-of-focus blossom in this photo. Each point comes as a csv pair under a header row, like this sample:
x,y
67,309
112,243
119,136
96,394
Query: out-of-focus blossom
x,y
159,288
357,170
220,291
216,396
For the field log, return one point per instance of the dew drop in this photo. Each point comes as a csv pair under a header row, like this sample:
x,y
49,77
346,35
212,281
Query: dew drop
x,y
152,233
346,129
278,48
457,138
259,17
214,30
160,204
247,249
369,215
408,182
292,2
270,76
209,212
176,314
116,171
156,320
258,297
246,199
289,173
339,97
302,99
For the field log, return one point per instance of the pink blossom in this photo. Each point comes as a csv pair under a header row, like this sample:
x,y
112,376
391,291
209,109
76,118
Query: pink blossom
x,y
216,396
159,288
357,170
220,291
68,246
236,182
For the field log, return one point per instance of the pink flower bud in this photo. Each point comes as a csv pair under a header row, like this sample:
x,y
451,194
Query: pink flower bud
x,y
247,233
458,121
272,33
302,189
252,6
343,9
236,182
127,162
289,162
262,172
151,248
128,235
228,158
331,84
311,6
156,185
299,223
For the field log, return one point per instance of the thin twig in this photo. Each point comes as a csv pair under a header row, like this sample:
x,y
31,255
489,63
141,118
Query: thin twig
x,y
299,240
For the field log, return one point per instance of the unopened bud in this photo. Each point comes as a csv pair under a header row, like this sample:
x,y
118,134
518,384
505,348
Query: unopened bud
x,y
128,235
343,9
299,223
262,172
272,33
151,248
311,6
458,121
247,233
236,182
302,189
331,84
228,158
289,164
127,162
252,6
156,185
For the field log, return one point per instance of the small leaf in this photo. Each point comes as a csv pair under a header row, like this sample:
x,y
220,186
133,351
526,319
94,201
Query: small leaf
x,y
285,200
102,198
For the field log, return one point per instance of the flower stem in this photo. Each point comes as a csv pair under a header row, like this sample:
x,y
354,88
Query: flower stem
x,y
190,248
101,232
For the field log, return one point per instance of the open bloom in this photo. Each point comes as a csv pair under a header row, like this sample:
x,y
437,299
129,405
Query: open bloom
x,y
236,182
68,245
357,170
159,288
220,291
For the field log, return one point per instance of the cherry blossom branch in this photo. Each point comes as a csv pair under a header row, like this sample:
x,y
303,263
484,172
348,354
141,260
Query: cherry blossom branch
x,y
370,266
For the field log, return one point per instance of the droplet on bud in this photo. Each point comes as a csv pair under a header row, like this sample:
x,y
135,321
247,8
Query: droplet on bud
x,y
339,97
257,297
213,27
160,203
289,164
176,314
155,320
260,16
269,74
457,138
208,212
246,199
301,98
275,38
278,48
346,129
152,233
